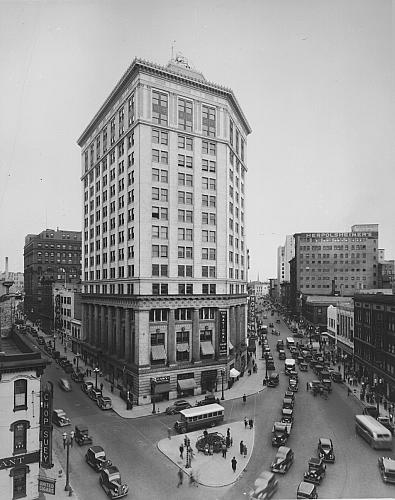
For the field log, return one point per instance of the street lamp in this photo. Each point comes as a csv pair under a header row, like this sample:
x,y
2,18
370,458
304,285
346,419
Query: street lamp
x,y
96,370
78,355
222,379
67,442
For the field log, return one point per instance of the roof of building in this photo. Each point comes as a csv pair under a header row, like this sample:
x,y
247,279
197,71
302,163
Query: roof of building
x,y
180,73
376,298
327,299
18,353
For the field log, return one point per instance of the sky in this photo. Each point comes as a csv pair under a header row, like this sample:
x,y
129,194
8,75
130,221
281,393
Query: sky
x,y
315,79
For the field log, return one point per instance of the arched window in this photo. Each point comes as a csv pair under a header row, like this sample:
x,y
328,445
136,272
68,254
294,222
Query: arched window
x,y
20,394
18,475
19,428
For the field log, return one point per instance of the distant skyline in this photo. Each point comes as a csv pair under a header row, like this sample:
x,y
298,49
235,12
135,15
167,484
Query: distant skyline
x,y
313,77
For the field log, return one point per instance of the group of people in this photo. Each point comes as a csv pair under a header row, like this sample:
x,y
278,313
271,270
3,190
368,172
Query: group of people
x,y
248,422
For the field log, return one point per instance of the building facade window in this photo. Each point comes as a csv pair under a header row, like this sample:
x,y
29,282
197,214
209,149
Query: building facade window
x,y
159,107
185,114
208,121
19,429
20,395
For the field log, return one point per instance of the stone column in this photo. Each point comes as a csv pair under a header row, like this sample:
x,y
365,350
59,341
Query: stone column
x,y
103,327
91,325
195,335
127,334
96,325
142,338
109,330
118,332
171,338
237,337
85,323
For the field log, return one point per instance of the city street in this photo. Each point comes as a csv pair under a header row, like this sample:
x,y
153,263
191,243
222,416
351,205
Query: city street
x,y
132,443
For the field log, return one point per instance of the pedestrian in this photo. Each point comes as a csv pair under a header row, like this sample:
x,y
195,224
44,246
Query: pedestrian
x,y
244,398
241,447
181,448
245,422
168,431
101,387
307,386
73,361
180,478
228,432
224,450
348,391
251,423
231,441
185,440
227,440
245,451
211,450
234,463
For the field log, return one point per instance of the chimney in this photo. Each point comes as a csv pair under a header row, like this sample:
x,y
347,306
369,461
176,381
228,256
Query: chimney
x,y
6,268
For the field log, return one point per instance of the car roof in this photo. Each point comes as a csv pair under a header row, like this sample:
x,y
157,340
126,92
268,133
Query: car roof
x,y
282,451
314,460
388,463
112,469
326,441
106,398
96,449
287,411
305,487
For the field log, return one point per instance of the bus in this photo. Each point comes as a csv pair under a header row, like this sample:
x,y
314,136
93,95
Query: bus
x,y
373,432
290,342
199,417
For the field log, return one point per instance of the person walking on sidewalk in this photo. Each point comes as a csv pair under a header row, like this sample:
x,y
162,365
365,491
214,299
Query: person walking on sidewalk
x,y
234,463
245,422
245,451
251,423
181,448
180,478
101,387
224,450
241,447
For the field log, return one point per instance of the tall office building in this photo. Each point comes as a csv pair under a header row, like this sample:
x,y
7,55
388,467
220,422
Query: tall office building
x,y
337,263
164,239
284,254
49,257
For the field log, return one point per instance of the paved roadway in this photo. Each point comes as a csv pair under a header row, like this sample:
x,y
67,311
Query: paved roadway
x,y
131,444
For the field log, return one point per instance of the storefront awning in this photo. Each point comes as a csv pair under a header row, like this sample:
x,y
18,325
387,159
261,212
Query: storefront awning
x,y
186,384
158,352
183,347
206,348
233,373
161,388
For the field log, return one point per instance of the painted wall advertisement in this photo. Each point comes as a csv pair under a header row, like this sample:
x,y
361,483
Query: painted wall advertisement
x,y
223,333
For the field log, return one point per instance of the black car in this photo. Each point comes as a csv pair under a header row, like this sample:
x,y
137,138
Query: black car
x,y
110,481
86,387
316,471
177,406
325,450
81,435
283,460
208,400
336,377
96,458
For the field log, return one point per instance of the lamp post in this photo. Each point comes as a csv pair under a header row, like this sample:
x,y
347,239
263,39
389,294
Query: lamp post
x,y
153,400
67,442
96,370
222,379
77,356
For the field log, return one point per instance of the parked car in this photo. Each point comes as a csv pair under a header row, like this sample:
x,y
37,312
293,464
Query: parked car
x,y
104,402
306,490
293,385
40,340
387,423
371,410
288,403
273,380
387,469
86,387
278,321
77,377
96,458
60,418
111,482
264,486
81,435
325,450
68,368
290,395
283,460
287,416
64,384
208,400
177,406
281,354
94,393
316,471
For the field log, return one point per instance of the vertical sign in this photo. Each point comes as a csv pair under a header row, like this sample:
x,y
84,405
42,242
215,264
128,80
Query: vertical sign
x,y
223,333
46,426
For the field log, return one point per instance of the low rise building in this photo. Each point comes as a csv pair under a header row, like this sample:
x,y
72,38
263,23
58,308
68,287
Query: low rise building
x,y
67,314
340,331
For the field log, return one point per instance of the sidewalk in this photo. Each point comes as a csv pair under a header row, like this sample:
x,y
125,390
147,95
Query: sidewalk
x,y
212,470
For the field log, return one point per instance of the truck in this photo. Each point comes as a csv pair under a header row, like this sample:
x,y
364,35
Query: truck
x,y
280,433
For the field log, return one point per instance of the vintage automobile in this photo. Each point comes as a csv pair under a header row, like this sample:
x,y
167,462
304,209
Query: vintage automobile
x,y
303,367
281,354
280,345
293,374
94,393
77,377
325,450
270,364
370,410
314,386
265,486
306,490
336,377
177,406
68,368
387,469
287,416
280,433
111,482
104,402
86,387
316,471
271,325
209,399
81,435
293,385
96,458
326,382
283,460
288,403
60,418
64,384
273,380
290,395
387,423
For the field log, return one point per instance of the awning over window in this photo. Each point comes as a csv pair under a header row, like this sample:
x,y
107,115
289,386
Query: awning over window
x,y
206,348
183,347
230,345
160,388
233,373
158,352
186,384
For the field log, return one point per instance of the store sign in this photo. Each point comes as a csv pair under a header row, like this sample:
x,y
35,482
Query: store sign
x,y
223,333
46,426
29,458
160,380
46,485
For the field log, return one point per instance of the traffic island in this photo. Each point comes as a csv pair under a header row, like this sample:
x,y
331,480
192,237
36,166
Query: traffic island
x,y
211,470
